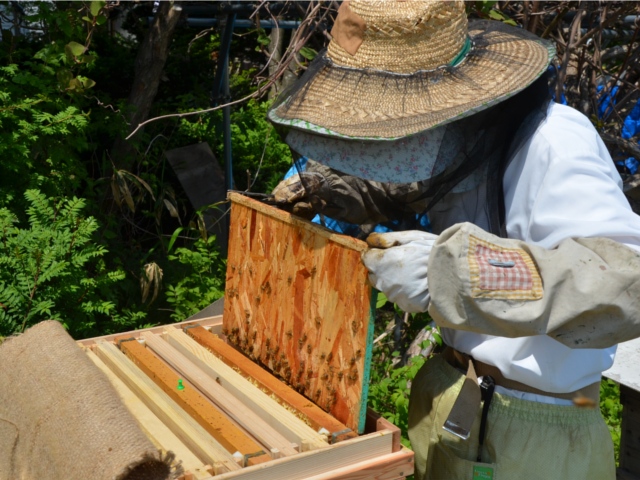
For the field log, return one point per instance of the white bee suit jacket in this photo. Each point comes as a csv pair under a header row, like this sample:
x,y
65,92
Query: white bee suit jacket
x,y
561,185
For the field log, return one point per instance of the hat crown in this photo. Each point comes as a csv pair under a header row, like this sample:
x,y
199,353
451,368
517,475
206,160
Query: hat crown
x,y
399,36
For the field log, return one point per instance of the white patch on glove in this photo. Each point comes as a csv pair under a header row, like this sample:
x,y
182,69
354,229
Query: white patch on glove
x,y
399,267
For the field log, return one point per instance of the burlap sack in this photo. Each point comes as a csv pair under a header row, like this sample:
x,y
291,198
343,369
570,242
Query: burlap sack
x,y
60,418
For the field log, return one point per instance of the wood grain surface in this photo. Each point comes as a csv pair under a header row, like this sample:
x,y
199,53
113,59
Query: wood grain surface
x,y
298,302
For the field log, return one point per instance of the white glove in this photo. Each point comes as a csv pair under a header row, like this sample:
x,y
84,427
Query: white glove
x,y
398,267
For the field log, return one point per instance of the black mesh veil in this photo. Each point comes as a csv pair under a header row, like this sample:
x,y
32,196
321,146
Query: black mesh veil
x,y
474,152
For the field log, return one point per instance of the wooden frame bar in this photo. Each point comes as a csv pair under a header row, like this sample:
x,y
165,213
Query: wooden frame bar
x,y
317,417
159,434
216,423
270,411
203,445
224,400
307,464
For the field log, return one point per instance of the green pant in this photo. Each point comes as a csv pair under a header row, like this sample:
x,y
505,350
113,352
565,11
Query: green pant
x,y
524,440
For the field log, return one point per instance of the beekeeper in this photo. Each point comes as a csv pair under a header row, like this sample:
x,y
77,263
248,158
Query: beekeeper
x,y
532,272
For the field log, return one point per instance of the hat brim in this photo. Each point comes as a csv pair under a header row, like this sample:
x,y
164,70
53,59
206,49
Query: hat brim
x,y
373,105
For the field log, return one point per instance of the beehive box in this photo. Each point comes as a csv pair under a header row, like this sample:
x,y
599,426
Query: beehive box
x,y
203,404
277,386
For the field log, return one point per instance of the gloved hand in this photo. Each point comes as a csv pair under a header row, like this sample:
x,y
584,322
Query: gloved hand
x,y
398,267
298,194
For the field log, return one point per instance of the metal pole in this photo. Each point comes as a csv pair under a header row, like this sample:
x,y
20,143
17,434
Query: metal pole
x,y
221,95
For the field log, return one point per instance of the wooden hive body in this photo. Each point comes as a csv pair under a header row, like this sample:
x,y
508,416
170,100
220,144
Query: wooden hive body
x,y
297,301
144,367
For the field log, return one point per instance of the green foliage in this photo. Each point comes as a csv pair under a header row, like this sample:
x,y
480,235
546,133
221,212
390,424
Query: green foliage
x,y
611,409
390,388
54,269
34,120
203,278
391,379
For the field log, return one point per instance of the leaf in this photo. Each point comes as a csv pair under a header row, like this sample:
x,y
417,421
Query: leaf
x,y
144,184
497,15
487,6
101,19
123,189
64,76
263,38
172,209
75,48
87,82
95,7
174,238
381,300
86,59
308,53
151,277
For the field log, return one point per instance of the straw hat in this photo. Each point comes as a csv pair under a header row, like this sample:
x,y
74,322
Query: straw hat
x,y
396,68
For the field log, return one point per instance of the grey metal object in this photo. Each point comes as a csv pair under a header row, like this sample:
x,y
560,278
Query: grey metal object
x,y
215,309
203,181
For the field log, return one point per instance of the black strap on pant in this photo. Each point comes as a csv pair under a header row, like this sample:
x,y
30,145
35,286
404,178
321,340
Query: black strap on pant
x,y
487,386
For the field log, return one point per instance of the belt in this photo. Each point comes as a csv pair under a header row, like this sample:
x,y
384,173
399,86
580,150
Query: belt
x,y
472,394
460,361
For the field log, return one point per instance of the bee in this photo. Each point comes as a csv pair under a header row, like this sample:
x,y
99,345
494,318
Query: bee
x,y
323,356
330,357
324,376
358,354
354,326
304,337
340,375
581,401
308,348
352,362
289,333
267,342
